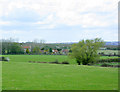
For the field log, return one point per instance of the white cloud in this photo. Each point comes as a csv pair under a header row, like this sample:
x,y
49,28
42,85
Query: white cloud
x,y
48,14
105,34
5,23
67,12
50,26
47,20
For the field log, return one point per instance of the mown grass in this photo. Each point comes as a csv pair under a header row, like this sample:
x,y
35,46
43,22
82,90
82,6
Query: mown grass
x,y
45,58
18,74
32,76
42,58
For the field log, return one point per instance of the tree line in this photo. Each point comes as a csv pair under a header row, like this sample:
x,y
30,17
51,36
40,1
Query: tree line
x,y
12,46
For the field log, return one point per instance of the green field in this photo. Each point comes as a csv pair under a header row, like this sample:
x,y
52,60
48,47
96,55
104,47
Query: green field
x,y
45,58
18,74
109,51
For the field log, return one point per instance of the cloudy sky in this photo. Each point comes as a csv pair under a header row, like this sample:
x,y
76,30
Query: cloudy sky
x,y
59,20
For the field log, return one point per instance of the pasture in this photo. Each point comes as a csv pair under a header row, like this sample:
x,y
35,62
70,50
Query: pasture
x,y
19,74
45,58
109,51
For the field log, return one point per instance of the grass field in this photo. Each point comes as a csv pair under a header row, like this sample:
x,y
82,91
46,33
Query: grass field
x,y
109,51
45,58
18,74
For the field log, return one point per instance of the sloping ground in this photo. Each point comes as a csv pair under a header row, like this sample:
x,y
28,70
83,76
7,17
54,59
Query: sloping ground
x,y
36,76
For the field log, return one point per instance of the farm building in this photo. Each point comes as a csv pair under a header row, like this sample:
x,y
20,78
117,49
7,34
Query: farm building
x,y
55,51
65,51
27,47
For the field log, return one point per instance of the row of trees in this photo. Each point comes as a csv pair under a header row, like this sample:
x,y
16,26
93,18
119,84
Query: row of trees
x,y
12,46
112,47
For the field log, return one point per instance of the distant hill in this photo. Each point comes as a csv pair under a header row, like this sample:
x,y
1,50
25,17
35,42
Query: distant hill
x,y
112,43
106,43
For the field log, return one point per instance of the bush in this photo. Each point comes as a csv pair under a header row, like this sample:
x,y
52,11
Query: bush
x,y
115,54
41,62
55,62
117,66
65,62
102,53
109,60
106,65
4,59
89,64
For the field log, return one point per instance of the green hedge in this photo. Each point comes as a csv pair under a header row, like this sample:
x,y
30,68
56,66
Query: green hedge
x,y
109,60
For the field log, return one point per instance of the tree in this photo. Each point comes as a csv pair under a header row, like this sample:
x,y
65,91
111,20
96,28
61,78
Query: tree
x,y
27,51
50,50
85,51
11,46
59,49
36,50
42,48
15,48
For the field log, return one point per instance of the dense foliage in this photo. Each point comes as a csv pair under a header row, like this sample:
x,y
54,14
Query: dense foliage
x,y
85,51
11,48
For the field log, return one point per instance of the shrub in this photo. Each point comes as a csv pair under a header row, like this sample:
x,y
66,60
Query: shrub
x,y
89,64
41,62
102,53
4,59
107,65
55,62
108,60
65,62
117,66
115,54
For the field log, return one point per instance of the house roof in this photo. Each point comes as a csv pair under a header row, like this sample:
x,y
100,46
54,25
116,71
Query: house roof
x,y
25,47
55,50
42,50
65,50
